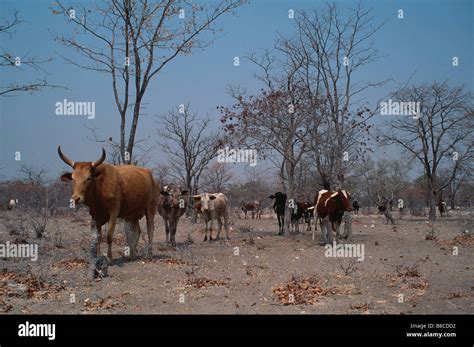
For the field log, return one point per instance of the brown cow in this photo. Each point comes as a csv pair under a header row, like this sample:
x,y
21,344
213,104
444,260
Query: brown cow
x,y
114,191
214,206
330,207
253,206
172,205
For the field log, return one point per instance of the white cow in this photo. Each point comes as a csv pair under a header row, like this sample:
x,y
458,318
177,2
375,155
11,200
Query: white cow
x,y
214,206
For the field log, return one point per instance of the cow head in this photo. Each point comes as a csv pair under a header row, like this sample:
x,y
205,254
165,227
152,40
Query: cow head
x,y
173,196
343,199
205,200
84,173
279,197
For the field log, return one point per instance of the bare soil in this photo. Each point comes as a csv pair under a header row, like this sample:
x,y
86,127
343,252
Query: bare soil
x,y
256,271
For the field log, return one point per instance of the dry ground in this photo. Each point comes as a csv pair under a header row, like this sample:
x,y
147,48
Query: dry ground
x,y
266,274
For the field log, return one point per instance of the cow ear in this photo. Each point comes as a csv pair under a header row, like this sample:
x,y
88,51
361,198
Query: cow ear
x,y
66,177
96,173
184,192
164,193
197,197
212,197
271,197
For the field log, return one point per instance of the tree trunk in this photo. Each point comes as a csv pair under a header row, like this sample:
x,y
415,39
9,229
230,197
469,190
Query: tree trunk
x,y
432,201
291,195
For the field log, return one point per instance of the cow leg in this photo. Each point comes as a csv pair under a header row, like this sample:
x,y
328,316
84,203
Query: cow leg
x,y
167,230
327,231
322,224
150,227
211,225
338,231
219,227
281,222
205,229
94,247
136,231
226,226
110,234
97,230
173,226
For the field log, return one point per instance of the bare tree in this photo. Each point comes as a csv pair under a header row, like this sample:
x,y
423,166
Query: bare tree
x,y
217,177
275,123
330,46
440,136
189,143
132,42
8,28
162,173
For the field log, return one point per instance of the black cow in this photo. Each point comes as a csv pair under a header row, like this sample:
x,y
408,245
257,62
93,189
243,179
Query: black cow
x,y
356,207
279,208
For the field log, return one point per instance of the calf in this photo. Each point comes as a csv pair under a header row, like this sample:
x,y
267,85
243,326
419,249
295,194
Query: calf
x,y
171,206
214,207
299,211
279,208
330,208
254,207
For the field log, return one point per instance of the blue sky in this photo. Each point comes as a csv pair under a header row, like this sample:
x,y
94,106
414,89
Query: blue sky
x,y
432,32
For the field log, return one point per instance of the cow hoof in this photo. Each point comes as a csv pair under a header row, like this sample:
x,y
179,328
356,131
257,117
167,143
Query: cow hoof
x,y
205,239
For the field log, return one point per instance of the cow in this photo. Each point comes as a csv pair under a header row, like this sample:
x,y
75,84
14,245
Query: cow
x,y
214,207
308,213
172,205
382,207
279,208
442,207
252,206
299,211
114,191
330,208
12,204
356,207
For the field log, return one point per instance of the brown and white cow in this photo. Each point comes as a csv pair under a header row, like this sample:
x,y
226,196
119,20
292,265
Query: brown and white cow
x,y
255,207
114,191
330,208
214,207
171,206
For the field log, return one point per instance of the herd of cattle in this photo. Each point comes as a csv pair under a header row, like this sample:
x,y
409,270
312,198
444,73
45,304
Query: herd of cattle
x,y
130,192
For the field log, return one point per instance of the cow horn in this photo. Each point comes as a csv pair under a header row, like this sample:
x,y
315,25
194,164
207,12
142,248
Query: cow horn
x,y
100,160
64,158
